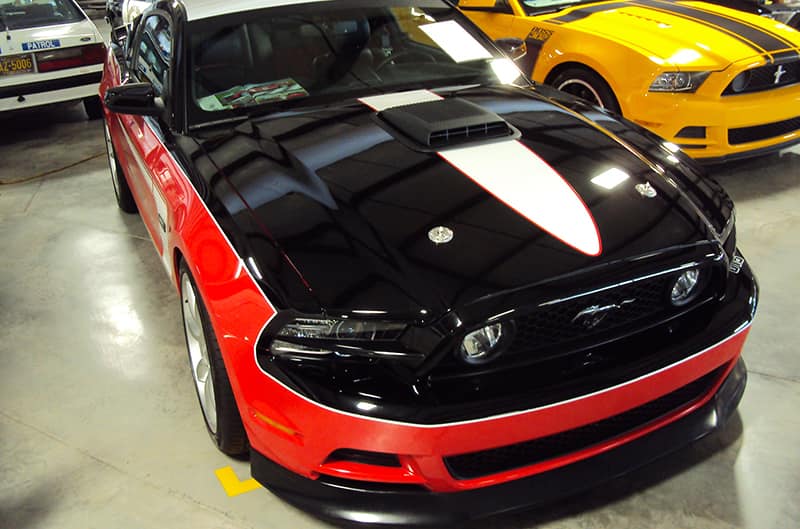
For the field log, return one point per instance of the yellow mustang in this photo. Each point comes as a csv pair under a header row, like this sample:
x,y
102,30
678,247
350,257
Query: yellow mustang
x,y
720,83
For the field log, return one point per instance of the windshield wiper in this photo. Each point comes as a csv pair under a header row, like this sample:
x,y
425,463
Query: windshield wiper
x,y
224,121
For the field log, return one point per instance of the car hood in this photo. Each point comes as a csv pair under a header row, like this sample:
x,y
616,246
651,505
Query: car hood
x,y
334,211
685,35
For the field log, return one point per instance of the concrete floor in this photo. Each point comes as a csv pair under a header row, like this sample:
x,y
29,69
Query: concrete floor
x,y
100,427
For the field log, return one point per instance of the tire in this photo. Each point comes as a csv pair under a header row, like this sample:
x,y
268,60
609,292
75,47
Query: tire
x,y
214,393
93,107
122,191
586,84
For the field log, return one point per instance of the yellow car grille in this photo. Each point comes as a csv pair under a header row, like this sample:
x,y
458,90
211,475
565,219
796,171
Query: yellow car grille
x,y
763,132
763,78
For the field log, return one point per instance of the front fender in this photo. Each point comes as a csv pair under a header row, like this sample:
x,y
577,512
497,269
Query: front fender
x,y
626,70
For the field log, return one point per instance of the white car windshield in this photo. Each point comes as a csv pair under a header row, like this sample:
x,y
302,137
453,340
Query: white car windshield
x,y
313,51
20,14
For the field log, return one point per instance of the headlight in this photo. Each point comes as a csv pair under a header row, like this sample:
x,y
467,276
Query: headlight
x,y
482,345
307,337
678,81
685,288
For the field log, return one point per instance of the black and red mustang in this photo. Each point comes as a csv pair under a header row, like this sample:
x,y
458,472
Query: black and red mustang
x,y
416,288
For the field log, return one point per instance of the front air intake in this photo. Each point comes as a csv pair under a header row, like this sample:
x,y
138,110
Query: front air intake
x,y
446,122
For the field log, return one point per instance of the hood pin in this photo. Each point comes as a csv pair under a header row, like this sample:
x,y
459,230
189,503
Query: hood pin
x,y
440,235
646,190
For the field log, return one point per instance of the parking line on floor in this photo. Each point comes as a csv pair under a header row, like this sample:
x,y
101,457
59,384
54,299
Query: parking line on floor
x,y
232,485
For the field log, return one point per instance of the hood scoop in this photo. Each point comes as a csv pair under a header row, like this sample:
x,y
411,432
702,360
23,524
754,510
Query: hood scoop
x,y
446,122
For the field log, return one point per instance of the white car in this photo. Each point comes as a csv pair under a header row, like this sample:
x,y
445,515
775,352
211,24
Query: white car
x,y
50,52
124,12
133,8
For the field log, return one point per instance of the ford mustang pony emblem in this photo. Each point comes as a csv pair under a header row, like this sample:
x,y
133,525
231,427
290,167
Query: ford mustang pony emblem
x,y
590,317
778,74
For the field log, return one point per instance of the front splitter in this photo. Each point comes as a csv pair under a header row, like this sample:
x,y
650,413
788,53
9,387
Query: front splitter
x,y
387,504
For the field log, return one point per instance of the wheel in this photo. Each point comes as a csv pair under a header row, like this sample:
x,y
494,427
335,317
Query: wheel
x,y
211,381
93,107
588,85
121,190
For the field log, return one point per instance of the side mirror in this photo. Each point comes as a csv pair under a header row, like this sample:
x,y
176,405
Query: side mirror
x,y
489,6
514,49
134,98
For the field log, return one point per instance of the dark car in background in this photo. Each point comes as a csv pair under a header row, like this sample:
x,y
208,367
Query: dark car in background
x,y
415,287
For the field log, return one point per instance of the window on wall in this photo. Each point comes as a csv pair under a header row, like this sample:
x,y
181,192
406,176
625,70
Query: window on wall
x,y
155,49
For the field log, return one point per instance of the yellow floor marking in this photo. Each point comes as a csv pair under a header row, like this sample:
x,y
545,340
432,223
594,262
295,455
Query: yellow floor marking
x,y
231,484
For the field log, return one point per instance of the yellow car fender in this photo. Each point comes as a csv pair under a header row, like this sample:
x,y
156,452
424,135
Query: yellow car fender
x,y
565,48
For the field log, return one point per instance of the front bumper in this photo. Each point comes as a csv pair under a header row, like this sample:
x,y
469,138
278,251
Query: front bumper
x,y
362,502
771,119
293,438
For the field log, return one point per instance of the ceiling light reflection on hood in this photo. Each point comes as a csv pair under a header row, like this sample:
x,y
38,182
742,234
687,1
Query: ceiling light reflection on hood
x,y
611,178
505,70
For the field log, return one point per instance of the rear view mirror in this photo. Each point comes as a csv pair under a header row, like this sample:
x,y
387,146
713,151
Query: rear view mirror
x,y
514,49
134,98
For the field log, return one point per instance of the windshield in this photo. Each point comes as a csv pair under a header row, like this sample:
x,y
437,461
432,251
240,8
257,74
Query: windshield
x,y
19,14
283,57
548,6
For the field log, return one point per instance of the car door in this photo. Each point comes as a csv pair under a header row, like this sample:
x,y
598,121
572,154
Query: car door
x,y
151,62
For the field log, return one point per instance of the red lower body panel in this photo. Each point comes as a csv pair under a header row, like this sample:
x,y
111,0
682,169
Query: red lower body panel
x,y
317,431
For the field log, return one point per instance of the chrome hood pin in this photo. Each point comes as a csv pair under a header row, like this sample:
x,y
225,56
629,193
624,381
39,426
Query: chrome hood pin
x,y
646,190
440,235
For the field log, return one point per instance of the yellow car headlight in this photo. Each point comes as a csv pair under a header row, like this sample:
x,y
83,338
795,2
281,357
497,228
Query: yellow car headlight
x,y
678,81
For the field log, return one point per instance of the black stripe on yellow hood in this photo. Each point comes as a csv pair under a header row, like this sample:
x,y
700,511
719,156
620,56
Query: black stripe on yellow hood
x,y
762,39
759,39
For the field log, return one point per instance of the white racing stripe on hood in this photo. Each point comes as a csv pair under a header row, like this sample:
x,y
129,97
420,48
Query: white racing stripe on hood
x,y
399,99
518,177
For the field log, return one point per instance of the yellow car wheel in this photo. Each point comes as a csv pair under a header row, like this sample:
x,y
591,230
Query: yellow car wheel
x,y
584,83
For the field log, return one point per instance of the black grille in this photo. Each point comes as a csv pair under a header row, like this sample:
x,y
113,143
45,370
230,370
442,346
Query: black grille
x,y
559,323
762,132
444,137
362,456
763,78
692,132
487,462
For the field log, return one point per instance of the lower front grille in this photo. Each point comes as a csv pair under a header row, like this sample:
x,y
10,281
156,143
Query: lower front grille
x,y
504,458
762,132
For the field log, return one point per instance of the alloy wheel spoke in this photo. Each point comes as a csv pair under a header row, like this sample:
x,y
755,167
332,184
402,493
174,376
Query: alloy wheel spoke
x,y
210,407
202,370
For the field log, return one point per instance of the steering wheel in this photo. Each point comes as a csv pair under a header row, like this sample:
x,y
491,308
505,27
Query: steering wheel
x,y
404,53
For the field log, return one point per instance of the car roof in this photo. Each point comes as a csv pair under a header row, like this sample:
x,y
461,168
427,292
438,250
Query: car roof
x,y
197,9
